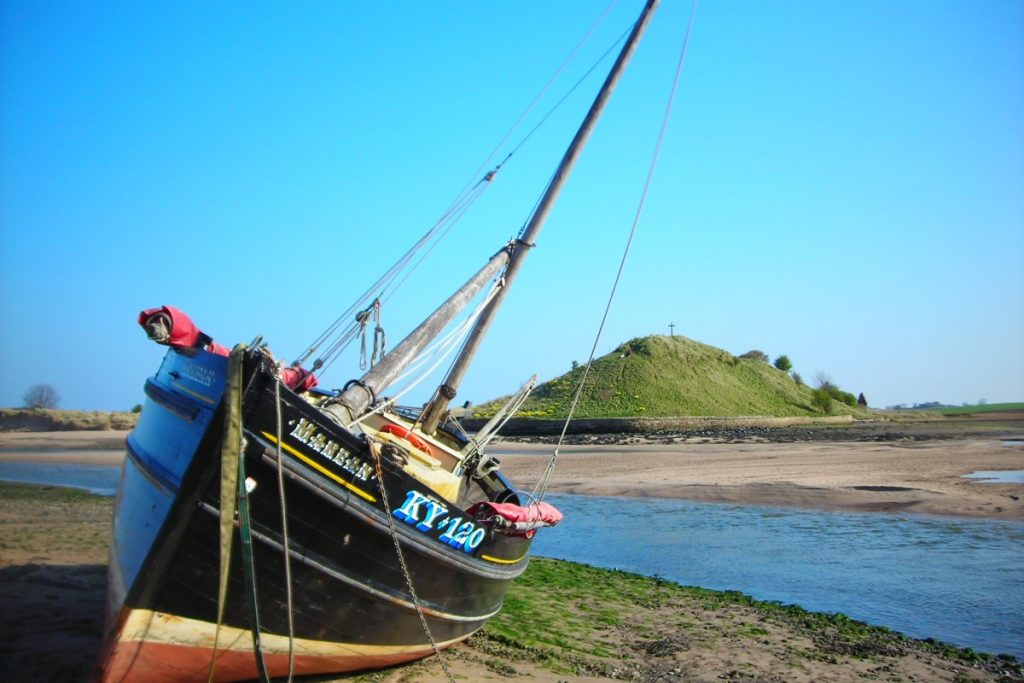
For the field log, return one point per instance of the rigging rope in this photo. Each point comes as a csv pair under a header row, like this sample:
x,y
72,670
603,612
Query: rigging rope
x,y
579,82
284,527
442,346
463,201
541,487
537,98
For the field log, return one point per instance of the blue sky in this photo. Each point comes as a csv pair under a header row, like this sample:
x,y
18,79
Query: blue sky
x,y
842,183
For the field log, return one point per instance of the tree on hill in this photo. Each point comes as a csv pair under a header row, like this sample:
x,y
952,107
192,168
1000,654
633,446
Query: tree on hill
x,y
783,363
827,387
821,400
41,396
754,354
861,401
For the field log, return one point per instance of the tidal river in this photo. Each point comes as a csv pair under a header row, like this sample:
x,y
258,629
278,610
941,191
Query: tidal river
x,y
953,579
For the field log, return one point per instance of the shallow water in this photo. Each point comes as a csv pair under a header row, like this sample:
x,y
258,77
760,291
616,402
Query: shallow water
x,y
953,579
101,479
997,476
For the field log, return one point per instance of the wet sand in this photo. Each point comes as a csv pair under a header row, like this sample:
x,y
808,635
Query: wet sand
x,y
915,476
919,473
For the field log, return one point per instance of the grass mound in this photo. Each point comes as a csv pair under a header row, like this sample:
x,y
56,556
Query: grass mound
x,y
674,376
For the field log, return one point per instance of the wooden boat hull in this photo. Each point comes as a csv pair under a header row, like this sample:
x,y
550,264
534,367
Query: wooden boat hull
x,y
352,607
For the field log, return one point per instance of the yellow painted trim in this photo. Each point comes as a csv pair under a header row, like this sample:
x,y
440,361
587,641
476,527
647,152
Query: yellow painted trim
x,y
323,470
501,561
201,397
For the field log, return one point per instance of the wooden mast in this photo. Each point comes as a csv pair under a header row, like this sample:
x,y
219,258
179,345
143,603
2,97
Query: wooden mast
x,y
438,405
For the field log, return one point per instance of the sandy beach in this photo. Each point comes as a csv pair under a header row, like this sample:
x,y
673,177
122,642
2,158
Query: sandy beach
x,y
920,476
53,555
921,472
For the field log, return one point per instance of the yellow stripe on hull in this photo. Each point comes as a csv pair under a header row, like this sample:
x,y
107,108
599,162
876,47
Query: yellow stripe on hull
x,y
321,469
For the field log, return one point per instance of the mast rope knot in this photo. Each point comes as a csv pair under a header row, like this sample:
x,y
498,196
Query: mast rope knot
x,y
360,383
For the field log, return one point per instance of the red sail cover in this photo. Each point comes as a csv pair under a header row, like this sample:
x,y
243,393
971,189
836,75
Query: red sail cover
x,y
168,325
516,519
182,332
298,379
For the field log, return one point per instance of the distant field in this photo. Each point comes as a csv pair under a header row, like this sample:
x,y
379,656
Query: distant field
x,y
987,408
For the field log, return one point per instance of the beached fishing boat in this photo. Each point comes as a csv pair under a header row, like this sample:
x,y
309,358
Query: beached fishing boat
x,y
263,527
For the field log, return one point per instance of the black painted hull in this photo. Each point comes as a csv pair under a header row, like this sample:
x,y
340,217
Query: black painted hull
x,y
352,607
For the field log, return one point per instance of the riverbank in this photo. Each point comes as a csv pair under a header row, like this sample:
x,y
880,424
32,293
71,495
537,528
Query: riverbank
x,y
561,621
907,467
907,476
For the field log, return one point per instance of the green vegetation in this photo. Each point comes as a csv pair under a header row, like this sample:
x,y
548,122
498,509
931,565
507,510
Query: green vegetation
x,y
577,619
45,495
46,522
43,420
674,376
827,393
984,408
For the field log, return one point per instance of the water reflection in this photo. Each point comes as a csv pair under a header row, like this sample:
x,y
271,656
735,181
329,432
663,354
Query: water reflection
x,y
101,479
997,476
958,580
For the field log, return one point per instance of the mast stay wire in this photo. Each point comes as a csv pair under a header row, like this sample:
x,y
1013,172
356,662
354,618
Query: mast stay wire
x,y
543,120
381,282
459,204
478,189
568,93
538,97
540,489
343,339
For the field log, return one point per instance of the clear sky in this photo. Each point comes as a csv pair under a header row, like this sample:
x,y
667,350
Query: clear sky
x,y
842,183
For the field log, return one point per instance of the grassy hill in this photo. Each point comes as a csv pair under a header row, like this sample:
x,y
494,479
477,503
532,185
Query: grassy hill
x,y
673,376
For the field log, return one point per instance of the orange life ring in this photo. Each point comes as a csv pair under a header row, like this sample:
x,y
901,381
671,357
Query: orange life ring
x,y
403,433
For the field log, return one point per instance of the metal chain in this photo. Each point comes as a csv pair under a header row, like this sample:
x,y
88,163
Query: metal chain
x,y
375,451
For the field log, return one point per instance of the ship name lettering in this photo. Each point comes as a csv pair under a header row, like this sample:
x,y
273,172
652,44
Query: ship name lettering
x,y
304,430
463,535
199,374
306,433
